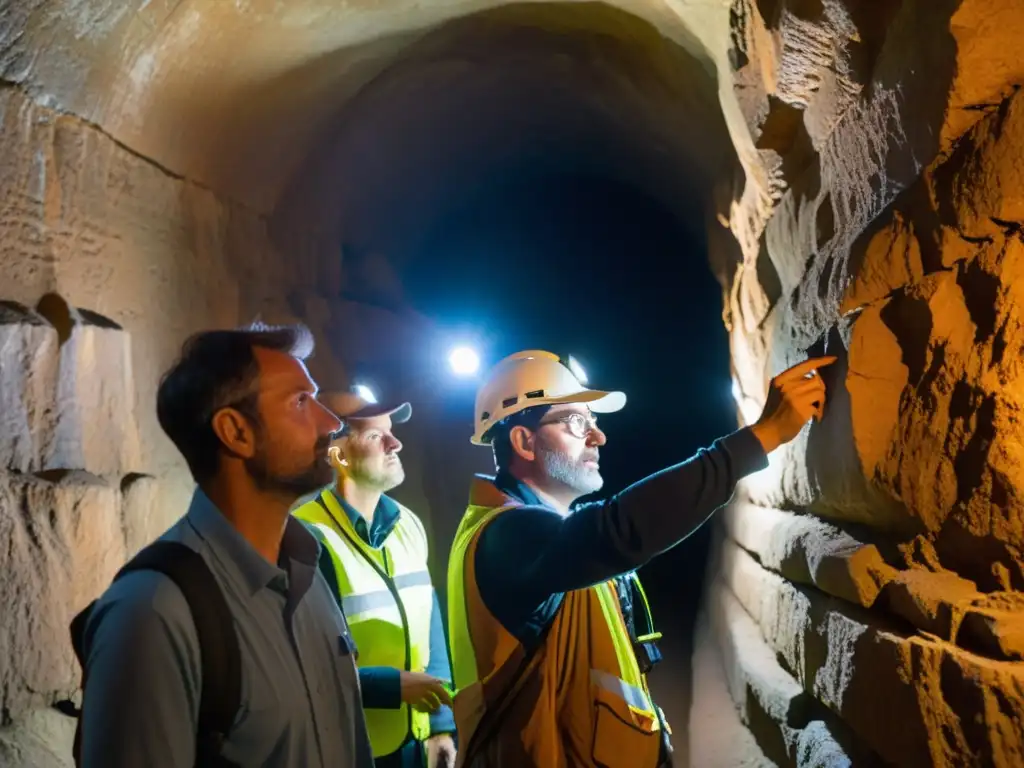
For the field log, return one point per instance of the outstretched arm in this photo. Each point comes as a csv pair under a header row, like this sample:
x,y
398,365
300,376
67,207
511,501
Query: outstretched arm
x,y
532,553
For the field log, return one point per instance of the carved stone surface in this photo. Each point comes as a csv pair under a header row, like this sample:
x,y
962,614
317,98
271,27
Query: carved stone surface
x,y
63,539
868,599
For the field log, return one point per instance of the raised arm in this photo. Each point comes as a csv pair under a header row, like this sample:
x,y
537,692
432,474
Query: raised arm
x,y
534,552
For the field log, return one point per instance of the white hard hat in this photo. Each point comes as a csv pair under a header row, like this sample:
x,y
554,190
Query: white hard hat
x,y
531,378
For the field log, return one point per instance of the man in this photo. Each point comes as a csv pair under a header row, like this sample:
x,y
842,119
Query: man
x,y
242,409
378,565
550,665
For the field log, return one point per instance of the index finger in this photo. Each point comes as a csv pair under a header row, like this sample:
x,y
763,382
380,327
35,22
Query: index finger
x,y
441,691
802,369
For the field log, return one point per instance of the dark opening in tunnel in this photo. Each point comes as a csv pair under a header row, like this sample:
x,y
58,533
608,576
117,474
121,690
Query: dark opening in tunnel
x,y
542,175
588,265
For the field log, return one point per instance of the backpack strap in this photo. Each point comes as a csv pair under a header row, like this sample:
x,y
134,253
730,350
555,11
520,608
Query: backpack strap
x,y
220,655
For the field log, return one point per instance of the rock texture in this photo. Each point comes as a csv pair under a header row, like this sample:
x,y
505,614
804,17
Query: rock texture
x,y
166,167
107,263
879,558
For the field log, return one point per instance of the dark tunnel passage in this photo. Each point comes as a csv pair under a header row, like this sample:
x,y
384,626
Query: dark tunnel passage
x,y
597,268
540,175
689,196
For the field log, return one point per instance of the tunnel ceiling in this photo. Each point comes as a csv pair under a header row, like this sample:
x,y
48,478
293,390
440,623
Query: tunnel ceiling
x,y
236,95
520,90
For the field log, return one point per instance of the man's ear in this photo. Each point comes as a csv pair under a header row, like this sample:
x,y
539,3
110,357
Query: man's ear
x,y
522,441
235,432
336,453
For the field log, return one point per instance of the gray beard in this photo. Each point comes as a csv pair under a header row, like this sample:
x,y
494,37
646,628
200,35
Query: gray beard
x,y
569,472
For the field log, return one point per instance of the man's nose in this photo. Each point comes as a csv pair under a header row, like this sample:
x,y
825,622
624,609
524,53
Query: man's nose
x,y
596,437
331,423
394,445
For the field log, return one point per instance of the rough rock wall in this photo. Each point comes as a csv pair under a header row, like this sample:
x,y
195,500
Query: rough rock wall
x,y
865,602
106,264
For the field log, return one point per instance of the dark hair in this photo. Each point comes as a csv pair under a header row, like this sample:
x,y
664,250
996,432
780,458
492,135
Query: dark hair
x,y
501,445
217,369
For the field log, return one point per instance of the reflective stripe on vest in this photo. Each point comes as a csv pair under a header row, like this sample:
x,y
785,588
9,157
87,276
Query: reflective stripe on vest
x,y
387,597
628,736
635,697
629,685
381,603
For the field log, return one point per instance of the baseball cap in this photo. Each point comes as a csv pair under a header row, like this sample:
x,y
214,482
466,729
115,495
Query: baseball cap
x,y
361,404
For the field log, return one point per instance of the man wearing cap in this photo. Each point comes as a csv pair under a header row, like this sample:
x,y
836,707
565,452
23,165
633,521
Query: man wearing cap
x,y
551,638
374,555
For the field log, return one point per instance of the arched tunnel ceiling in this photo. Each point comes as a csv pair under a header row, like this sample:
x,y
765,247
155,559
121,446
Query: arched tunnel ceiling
x,y
518,90
236,94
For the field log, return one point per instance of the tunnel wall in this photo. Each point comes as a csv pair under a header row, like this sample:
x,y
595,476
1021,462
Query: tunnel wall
x,y
108,263
864,601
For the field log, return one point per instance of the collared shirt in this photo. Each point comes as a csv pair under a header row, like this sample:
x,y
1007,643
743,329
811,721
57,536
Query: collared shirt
x,y
300,691
385,517
382,688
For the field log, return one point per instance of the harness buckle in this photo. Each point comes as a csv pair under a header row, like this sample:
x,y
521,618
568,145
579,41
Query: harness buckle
x,y
647,653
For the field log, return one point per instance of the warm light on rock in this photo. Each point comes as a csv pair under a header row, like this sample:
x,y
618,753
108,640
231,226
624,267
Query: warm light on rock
x,y
859,168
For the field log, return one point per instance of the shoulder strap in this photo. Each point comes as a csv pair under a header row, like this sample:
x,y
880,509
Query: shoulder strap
x,y
220,656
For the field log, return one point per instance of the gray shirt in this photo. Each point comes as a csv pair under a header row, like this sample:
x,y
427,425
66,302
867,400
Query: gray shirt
x,y
300,689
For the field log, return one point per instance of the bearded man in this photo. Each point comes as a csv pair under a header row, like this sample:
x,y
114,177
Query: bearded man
x,y
551,635
220,643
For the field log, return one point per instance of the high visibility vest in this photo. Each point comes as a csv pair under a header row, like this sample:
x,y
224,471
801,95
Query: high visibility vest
x,y
387,597
582,700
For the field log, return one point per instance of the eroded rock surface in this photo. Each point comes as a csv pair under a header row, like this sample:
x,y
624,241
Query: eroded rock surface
x,y
881,553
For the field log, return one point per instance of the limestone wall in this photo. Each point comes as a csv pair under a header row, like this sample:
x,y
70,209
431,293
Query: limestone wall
x,y
107,263
865,602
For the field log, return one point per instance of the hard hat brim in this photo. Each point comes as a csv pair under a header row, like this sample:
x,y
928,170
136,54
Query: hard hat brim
x,y
598,400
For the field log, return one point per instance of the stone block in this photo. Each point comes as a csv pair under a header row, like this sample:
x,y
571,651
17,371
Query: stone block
x,y
912,700
28,375
978,188
994,626
41,739
64,542
808,550
139,503
756,681
717,737
990,65
933,602
95,400
67,391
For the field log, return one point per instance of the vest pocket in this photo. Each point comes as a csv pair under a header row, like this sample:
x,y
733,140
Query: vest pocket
x,y
632,743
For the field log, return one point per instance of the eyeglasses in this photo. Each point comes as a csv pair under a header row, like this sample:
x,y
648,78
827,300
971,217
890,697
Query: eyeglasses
x,y
579,425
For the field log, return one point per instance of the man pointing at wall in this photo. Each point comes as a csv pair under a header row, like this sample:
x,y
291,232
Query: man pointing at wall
x,y
550,633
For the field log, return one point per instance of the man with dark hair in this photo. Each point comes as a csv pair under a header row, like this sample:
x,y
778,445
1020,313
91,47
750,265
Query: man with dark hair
x,y
242,409
551,636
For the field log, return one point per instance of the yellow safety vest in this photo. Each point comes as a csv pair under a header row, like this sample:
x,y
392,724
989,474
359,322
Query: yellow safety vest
x,y
387,597
579,700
